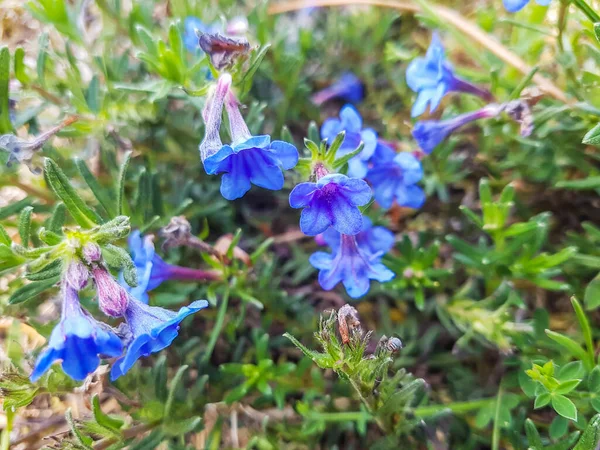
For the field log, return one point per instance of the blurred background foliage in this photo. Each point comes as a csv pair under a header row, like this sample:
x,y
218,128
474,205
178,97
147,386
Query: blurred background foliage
x,y
496,294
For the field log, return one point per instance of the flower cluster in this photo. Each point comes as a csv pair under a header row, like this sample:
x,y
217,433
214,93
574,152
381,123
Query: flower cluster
x,y
79,340
330,201
431,78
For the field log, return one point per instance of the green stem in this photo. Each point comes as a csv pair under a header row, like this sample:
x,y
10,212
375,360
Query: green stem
x,y
217,328
5,442
496,430
368,406
458,407
341,416
587,10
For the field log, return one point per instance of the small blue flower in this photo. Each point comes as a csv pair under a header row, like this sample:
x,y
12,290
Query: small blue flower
x,y
430,133
348,87
396,179
190,38
430,77
355,260
350,121
517,5
77,340
375,240
249,159
331,201
152,329
151,269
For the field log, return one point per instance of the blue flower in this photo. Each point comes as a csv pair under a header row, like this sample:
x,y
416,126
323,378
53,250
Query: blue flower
x,y
151,269
348,87
152,329
517,5
355,260
396,179
77,340
190,37
331,201
430,133
249,159
432,77
350,121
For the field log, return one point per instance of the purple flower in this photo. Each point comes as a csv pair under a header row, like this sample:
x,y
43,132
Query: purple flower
x,y
190,36
331,201
249,159
152,270
517,5
348,87
77,340
396,179
355,260
350,121
152,329
430,133
112,297
432,77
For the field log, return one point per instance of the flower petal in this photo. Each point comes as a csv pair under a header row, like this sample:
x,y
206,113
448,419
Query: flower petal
x,y
302,194
219,162
315,218
357,191
514,5
287,154
410,196
262,172
412,171
351,119
346,218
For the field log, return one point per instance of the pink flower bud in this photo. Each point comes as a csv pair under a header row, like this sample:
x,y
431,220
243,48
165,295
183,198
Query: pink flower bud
x,y
112,298
92,252
76,275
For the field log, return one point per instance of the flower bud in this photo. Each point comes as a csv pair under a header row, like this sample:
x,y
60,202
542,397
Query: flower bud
x,y
91,252
76,274
112,298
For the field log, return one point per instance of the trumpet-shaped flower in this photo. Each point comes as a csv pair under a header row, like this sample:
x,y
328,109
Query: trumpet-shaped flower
x,y
332,201
432,77
355,260
348,87
430,133
517,5
350,121
152,329
249,159
152,270
77,340
396,179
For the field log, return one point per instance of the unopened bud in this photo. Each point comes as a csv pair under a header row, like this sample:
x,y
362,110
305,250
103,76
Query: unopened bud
x,y
76,274
112,298
92,252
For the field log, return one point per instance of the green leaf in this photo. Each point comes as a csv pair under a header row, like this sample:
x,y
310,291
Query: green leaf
x,y
558,427
591,297
121,182
594,380
592,137
99,192
25,225
573,347
597,31
533,436
174,385
60,184
565,407
118,258
583,184
31,290
246,81
4,237
542,400
14,208
52,270
112,423
340,162
57,220
567,386
19,66
5,125
591,435
571,371
585,327
49,237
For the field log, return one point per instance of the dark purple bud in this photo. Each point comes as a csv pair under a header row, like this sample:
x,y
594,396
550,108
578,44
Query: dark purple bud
x,y
222,50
